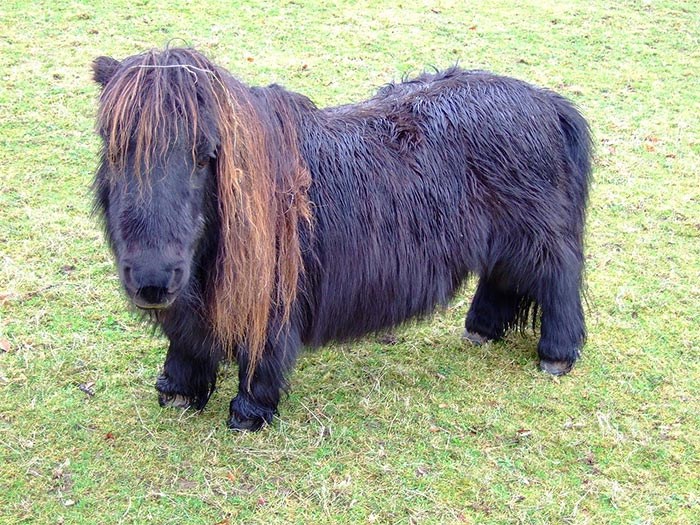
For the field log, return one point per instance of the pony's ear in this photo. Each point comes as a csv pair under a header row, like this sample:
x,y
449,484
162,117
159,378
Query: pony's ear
x,y
103,69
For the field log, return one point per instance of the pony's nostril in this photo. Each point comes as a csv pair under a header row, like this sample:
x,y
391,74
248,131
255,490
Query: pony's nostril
x,y
127,275
176,279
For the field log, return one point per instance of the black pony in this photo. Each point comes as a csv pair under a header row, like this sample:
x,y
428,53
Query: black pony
x,y
249,223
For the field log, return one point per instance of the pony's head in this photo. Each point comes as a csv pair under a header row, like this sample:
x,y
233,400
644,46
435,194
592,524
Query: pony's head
x,y
158,119
195,172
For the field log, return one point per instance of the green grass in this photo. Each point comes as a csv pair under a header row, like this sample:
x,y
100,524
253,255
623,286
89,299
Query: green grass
x,y
429,430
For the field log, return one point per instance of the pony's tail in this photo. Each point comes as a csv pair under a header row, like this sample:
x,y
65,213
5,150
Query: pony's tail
x,y
578,142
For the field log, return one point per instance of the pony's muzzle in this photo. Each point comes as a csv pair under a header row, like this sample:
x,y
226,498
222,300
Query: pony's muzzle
x,y
154,286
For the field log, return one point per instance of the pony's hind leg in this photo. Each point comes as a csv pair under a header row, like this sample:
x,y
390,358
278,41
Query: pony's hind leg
x,y
189,373
493,311
258,396
562,331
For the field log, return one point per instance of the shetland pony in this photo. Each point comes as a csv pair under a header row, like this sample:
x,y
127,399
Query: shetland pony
x,y
248,223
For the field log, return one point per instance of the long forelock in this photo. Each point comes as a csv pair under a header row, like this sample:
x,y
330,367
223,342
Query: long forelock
x,y
156,99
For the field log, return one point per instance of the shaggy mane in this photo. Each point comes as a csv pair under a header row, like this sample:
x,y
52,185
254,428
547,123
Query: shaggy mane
x,y
159,97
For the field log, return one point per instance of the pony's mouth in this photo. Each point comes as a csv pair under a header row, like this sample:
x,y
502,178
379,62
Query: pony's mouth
x,y
144,306
161,303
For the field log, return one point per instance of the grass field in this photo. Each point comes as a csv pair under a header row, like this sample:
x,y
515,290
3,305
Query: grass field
x,y
427,430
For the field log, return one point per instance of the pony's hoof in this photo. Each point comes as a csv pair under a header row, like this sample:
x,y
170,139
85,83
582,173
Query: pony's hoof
x,y
252,424
168,395
556,368
174,401
475,338
387,338
247,416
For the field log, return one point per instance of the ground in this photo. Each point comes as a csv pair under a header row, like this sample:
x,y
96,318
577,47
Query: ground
x,y
425,430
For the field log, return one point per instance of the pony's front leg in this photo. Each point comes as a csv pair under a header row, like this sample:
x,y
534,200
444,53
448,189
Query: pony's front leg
x,y
258,396
189,373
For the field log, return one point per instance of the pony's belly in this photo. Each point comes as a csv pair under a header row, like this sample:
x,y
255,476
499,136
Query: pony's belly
x,y
351,306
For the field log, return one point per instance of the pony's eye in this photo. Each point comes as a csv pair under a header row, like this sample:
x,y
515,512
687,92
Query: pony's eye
x,y
202,162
